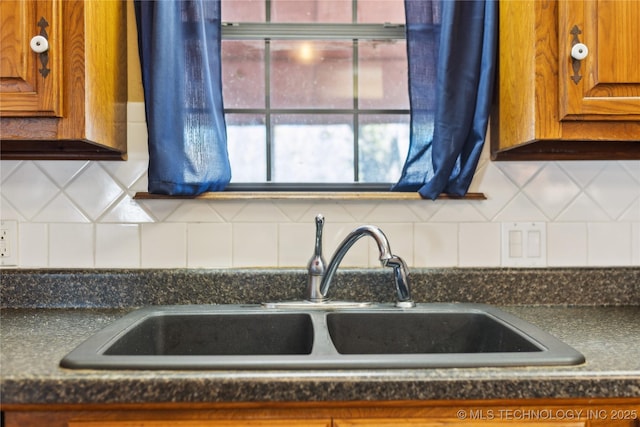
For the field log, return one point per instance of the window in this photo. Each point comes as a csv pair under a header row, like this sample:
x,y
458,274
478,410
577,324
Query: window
x,y
315,91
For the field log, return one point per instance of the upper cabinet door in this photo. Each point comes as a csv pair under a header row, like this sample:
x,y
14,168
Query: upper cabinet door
x,y
605,84
30,81
67,102
551,105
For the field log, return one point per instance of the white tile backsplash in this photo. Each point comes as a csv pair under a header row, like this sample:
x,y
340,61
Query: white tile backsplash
x,y
609,244
33,248
117,245
255,244
549,202
71,245
295,244
28,189
435,245
209,245
520,209
567,244
61,209
582,208
479,244
82,214
614,189
164,245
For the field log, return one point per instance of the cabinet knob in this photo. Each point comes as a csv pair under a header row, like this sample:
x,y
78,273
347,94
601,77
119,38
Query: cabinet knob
x,y
39,44
579,51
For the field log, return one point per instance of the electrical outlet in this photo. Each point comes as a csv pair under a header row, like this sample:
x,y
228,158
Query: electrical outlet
x,y
524,244
8,243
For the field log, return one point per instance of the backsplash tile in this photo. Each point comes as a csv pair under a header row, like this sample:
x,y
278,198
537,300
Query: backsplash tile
x,y
550,202
117,245
436,245
583,208
479,244
503,190
521,208
71,245
82,214
613,189
567,244
28,189
33,248
255,244
291,253
61,209
209,245
609,244
164,245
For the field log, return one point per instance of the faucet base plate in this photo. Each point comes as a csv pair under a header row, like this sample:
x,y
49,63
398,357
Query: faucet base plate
x,y
322,305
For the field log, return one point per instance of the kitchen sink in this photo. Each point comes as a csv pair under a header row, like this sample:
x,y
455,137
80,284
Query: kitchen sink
x,y
319,337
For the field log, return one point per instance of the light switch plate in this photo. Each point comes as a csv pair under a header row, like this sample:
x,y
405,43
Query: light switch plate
x,y
8,243
524,244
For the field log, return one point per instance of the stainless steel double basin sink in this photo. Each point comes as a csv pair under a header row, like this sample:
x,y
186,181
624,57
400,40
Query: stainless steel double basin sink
x,y
378,336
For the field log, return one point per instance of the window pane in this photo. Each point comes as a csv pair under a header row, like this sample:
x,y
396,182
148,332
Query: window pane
x,y
282,93
246,140
312,148
382,75
243,74
375,11
311,11
311,74
383,146
243,10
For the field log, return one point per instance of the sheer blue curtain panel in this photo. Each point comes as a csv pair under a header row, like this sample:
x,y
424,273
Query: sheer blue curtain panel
x,y
452,48
179,46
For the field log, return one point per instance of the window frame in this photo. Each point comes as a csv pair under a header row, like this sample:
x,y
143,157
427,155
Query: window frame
x,y
311,191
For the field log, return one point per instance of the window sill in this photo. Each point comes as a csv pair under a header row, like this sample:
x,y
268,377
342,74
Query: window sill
x,y
307,195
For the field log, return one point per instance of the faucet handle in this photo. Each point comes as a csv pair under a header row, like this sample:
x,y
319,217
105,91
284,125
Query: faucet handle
x,y
317,265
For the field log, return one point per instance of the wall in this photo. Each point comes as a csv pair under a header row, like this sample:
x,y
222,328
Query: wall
x,y
82,214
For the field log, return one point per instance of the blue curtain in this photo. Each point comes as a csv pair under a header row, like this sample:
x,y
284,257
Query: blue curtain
x,y
179,45
452,48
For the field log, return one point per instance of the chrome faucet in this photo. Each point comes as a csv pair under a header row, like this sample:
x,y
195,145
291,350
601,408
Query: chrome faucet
x,y
320,278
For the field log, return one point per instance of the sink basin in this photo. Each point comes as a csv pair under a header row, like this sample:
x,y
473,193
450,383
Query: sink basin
x,y
428,333
216,335
379,336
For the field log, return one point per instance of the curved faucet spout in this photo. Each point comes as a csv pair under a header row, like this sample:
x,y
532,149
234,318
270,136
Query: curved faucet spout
x,y
387,259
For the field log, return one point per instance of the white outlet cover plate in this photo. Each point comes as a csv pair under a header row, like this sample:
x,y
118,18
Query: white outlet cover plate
x,y
10,231
529,257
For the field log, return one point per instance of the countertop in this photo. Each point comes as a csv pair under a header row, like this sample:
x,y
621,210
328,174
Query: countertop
x,y
46,313
34,340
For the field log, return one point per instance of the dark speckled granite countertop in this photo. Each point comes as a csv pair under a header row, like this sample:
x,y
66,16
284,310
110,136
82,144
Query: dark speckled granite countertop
x,y
47,313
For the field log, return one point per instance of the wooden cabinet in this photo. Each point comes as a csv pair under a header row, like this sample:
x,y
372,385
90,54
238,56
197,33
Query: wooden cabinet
x,y
204,423
526,413
552,106
70,101
449,423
